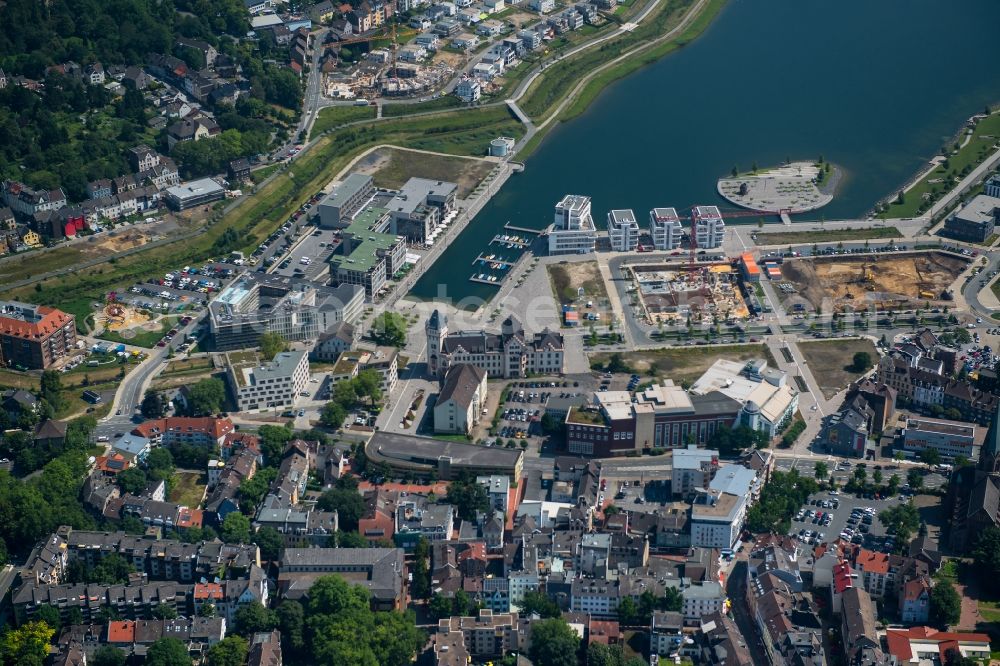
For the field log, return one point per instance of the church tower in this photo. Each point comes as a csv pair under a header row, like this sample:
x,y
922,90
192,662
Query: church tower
x,y
989,454
436,329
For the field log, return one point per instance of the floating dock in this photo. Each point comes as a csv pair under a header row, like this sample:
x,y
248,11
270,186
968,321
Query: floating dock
x,y
486,278
511,241
492,261
524,230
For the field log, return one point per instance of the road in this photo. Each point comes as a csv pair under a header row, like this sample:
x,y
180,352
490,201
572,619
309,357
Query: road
x,y
736,590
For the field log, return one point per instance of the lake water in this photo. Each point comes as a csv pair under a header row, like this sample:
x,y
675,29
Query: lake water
x,y
875,86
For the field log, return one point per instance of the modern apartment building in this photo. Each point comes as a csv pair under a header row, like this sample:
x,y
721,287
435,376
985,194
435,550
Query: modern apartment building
x,y
709,228
976,220
338,208
623,230
666,229
717,518
271,385
34,337
510,354
298,310
573,230
419,207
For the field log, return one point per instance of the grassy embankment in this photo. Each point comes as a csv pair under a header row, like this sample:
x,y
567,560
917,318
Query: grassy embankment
x,y
984,141
828,235
558,81
334,116
254,217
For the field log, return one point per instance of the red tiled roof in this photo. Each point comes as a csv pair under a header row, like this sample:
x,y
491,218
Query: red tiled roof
x,y
52,320
602,631
121,631
217,428
208,591
189,517
842,577
898,640
476,550
871,561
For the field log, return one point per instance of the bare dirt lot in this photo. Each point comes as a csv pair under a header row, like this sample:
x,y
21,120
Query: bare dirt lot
x,y
873,278
449,58
567,277
684,365
830,362
391,167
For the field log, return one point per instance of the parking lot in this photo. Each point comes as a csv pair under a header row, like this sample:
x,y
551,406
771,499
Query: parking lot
x,y
308,259
831,515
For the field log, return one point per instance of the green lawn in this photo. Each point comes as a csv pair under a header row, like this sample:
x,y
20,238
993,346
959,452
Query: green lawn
x,y
188,489
142,338
334,116
442,103
827,235
985,138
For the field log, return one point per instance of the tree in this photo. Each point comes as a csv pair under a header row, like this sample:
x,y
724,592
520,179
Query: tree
x,y
235,528
553,643
468,497
369,383
892,486
350,540
27,645
291,621
915,478
628,611
107,655
273,440
133,480
230,651
160,464
252,491
272,344
49,614
389,328
164,612
333,415
901,519
538,603
946,605
986,554
439,606
862,361
930,456
421,585
51,389
168,652
346,501
153,406
673,600
253,617
270,542
207,610
877,477
207,396
822,470
599,654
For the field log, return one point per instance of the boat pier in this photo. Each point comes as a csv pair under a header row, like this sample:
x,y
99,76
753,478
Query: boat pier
x,y
511,241
493,261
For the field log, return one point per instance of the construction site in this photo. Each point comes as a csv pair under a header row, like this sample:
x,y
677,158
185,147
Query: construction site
x,y
881,280
705,294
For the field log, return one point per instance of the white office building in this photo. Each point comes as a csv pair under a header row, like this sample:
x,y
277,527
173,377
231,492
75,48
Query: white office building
x,y
703,599
716,519
709,228
573,230
665,226
623,230
271,385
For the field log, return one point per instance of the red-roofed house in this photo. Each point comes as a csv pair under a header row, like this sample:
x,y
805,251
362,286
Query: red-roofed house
x,y
208,593
111,465
121,631
379,520
843,579
604,631
202,431
188,518
918,644
472,561
34,336
914,601
874,568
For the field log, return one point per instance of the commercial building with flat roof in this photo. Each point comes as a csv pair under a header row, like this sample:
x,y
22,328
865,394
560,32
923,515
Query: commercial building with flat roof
x,y
716,519
298,310
336,209
419,207
194,193
665,227
407,453
368,256
768,402
34,337
975,221
271,385
380,570
951,439
623,230
572,230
